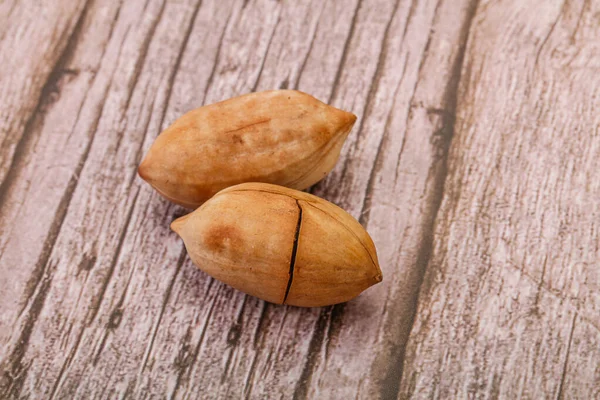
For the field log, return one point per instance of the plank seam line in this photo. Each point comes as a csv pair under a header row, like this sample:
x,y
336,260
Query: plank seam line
x,y
75,348
213,71
168,99
342,63
35,300
139,65
449,123
182,371
162,310
310,47
374,86
264,58
45,92
338,310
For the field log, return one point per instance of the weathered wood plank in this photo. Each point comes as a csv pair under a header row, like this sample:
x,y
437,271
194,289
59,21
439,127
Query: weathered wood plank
x,y
29,51
46,170
101,301
391,179
67,274
511,298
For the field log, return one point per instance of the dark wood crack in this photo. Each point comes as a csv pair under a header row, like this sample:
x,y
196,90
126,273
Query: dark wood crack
x,y
392,382
294,251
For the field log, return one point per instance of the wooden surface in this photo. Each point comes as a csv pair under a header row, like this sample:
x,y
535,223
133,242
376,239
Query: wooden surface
x,y
475,166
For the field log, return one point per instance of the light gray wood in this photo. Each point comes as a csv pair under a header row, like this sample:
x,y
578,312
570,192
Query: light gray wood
x,y
29,51
76,185
99,299
510,303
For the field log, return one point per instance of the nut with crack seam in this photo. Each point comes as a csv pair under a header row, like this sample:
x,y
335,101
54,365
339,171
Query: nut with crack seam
x,y
281,245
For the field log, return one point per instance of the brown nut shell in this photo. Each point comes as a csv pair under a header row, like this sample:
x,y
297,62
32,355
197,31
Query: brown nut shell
x,y
283,137
281,245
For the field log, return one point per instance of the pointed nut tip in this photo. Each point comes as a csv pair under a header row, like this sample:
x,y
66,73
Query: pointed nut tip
x,y
349,120
175,226
178,224
144,170
352,117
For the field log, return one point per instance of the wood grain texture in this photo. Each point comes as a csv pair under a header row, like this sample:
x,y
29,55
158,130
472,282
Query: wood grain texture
x,y
29,52
510,303
99,299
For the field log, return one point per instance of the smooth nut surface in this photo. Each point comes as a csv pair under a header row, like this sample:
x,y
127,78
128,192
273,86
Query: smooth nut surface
x,y
283,137
281,245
